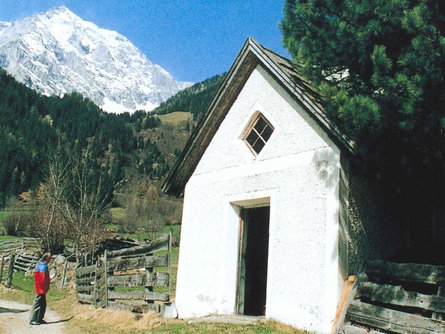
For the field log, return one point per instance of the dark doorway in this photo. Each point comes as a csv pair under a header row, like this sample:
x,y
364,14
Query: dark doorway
x,y
253,261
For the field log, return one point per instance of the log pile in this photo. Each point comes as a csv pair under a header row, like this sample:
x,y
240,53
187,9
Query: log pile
x,y
398,298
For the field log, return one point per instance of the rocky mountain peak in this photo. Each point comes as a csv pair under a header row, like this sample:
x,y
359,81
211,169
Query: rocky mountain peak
x,y
57,53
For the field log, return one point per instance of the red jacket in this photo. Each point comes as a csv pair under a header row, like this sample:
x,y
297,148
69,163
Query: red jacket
x,y
41,278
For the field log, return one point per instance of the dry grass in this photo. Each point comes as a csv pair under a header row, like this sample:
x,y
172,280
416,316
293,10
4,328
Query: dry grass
x,y
108,321
85,319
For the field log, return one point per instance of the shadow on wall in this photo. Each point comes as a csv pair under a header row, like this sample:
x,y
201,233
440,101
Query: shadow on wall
x,y
326,163
375,221
371,222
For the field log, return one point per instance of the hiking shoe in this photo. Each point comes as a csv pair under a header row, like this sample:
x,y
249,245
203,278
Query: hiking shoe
x,y
34,323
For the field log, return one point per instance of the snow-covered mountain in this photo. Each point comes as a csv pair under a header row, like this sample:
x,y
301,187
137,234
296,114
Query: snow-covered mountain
x,y
57,52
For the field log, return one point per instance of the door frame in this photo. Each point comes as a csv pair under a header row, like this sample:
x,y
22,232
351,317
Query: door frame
x,y
242,238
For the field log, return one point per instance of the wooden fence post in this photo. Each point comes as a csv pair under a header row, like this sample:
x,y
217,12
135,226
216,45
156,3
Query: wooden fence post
x,y
106,279
169,259
10,271
64,272
149,278
440,293
148,289
1,267
96,288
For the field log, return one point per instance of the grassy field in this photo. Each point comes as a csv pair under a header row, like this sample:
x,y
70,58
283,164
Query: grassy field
x,y
9,237
4,214
175,229
118,213
176,117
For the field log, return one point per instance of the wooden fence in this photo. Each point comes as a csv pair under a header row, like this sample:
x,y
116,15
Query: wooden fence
x,y
397,298
16,261
125,279
25,261
7,263
11,246
90,257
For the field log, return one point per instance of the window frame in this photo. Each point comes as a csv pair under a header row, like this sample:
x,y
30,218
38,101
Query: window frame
x,y
251,128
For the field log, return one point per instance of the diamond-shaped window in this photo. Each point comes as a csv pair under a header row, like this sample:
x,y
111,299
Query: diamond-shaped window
x,y
258,134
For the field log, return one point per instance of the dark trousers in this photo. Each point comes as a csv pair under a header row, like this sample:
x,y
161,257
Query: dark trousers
x,y
38,308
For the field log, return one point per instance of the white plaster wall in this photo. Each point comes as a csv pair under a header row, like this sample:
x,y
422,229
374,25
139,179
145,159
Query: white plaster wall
x,y
297,173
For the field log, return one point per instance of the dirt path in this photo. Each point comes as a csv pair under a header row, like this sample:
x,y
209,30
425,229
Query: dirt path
x,y
14,319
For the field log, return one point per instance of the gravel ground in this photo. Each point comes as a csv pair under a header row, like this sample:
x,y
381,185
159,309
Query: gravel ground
x,y
14,319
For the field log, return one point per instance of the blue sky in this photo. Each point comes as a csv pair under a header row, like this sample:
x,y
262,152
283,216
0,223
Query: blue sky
x,y
191,39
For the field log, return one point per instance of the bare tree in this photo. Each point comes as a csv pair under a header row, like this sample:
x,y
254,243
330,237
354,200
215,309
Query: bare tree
x,y
70,202
52,196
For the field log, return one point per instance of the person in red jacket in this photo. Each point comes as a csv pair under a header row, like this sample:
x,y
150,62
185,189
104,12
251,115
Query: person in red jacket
x,y
41,281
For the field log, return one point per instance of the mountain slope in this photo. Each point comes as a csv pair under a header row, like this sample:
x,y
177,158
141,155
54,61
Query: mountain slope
x,y
57,53
194,99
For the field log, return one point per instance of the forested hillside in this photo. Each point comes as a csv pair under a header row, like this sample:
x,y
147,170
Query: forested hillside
x,y
33,126
64,163
194,99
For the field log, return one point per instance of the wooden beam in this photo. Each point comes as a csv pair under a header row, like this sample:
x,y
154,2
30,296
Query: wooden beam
x,y
95,284
138,279
350,329
20,267
85,288
85,280
137,308
440,293
405,272
106,278
29,257
84,298
1,267
25,263
10,271
348,286
158,279
85,270
155,245
391,320
139,295
396,295
137,263
101,280
169,260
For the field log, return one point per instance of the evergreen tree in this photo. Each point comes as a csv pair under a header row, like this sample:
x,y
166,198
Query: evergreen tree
x,y
380,68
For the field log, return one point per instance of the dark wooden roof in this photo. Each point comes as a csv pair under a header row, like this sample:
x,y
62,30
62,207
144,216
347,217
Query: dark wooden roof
x,y
251,55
